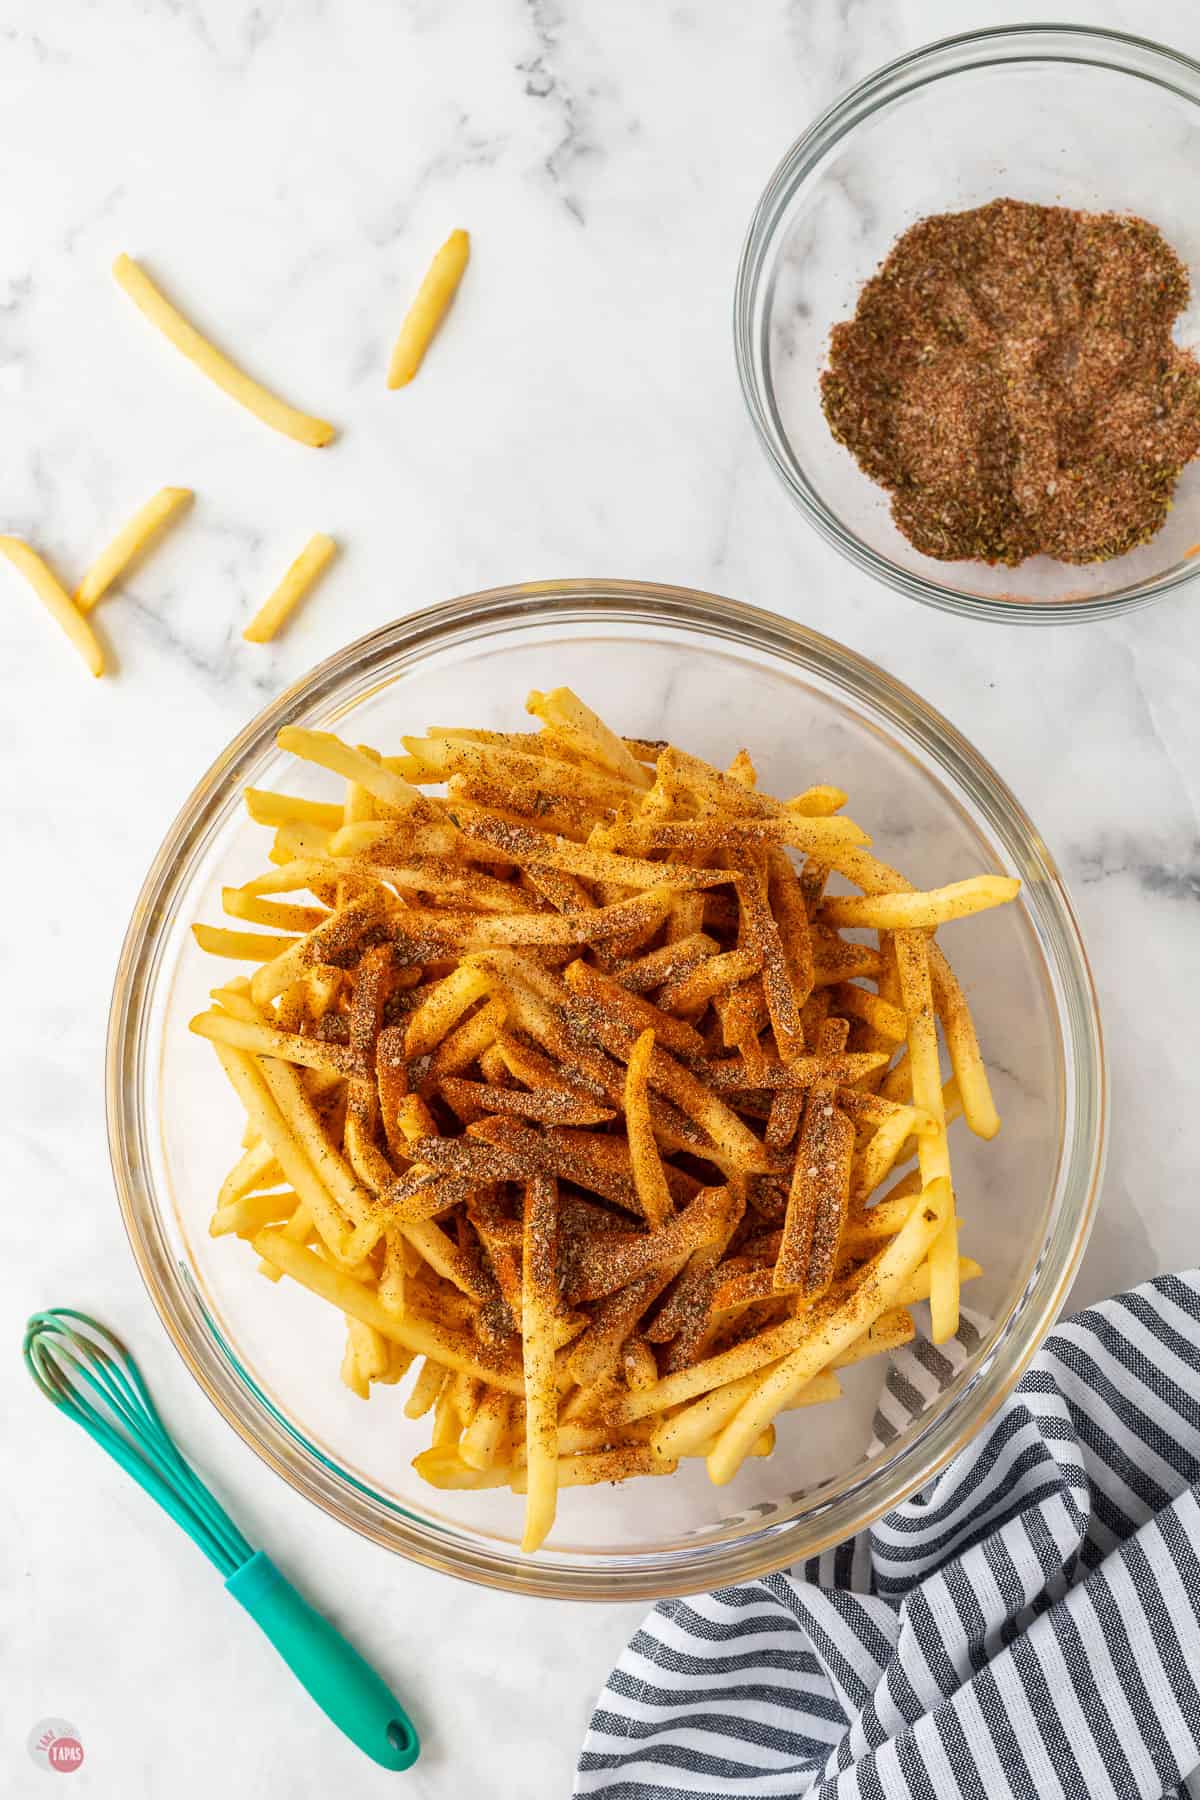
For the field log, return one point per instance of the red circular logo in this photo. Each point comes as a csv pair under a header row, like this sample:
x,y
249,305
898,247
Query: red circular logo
x,y
65,1753
56,1746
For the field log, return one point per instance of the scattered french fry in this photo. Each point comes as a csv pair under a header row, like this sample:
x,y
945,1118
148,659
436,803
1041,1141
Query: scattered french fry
x,y
178,330
429,308
278,608
130,542
55,598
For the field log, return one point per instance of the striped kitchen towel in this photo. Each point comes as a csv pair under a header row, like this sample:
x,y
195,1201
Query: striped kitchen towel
x,y
1029,1626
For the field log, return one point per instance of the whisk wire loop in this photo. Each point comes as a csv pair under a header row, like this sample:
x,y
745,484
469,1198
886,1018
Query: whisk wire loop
x,y
73,1358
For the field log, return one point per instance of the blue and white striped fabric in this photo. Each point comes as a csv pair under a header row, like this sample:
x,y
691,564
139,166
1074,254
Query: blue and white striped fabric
x,y
1029,1626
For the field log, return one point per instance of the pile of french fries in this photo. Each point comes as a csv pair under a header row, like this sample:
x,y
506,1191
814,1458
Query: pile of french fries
x,y
565,1080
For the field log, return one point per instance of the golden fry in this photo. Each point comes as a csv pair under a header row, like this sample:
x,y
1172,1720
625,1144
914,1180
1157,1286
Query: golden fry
x,y
566,717
55,598
539,1301
915,911
331,753
244,946
844,1321
266,808
129,543
154,305
654,1196
279,606
933,1150
414,1332
429,308
264,1040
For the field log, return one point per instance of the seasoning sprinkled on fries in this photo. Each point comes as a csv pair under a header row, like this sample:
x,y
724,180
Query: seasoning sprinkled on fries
x,y
563,1085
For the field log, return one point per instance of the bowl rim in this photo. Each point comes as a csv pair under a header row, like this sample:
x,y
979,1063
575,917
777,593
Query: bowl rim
x,y
768,1547
1122,52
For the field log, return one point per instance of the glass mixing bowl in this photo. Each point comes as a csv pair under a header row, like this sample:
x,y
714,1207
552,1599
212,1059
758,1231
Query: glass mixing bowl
x,y
1055,114
712,675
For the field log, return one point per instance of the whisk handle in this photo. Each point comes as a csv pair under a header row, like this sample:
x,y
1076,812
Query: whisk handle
x,y
346,1688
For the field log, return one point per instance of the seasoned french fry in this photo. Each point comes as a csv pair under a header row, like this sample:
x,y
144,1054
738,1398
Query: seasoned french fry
x,y
826,836
842,1324
638,1363
538,1305
654,1196
264,1040
600,1466
532,849
442,1008
553,1105
429,308
393,1277
155,307
613,1259
933,1151
431,1379
461,1047
481,1441
299,956
565,716
630,1011
859,1003
714,975
276,915
414,1332
686,1432
130,542
330,752
518,769
472,932
818,1196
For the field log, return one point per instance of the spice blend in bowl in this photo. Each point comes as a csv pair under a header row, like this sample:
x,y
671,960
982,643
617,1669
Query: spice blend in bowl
x,y
1009,376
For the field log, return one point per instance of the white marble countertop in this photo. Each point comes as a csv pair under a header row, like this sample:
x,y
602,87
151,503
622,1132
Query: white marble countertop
x,y
289,168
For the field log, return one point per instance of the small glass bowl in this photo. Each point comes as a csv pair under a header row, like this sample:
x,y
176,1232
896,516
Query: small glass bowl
x,y
1054,114
713,675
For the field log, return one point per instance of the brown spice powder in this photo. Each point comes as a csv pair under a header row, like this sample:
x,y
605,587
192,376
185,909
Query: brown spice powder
x,y
1009,376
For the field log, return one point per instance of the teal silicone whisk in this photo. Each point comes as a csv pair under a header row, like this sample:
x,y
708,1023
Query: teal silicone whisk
x,y
89,1375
